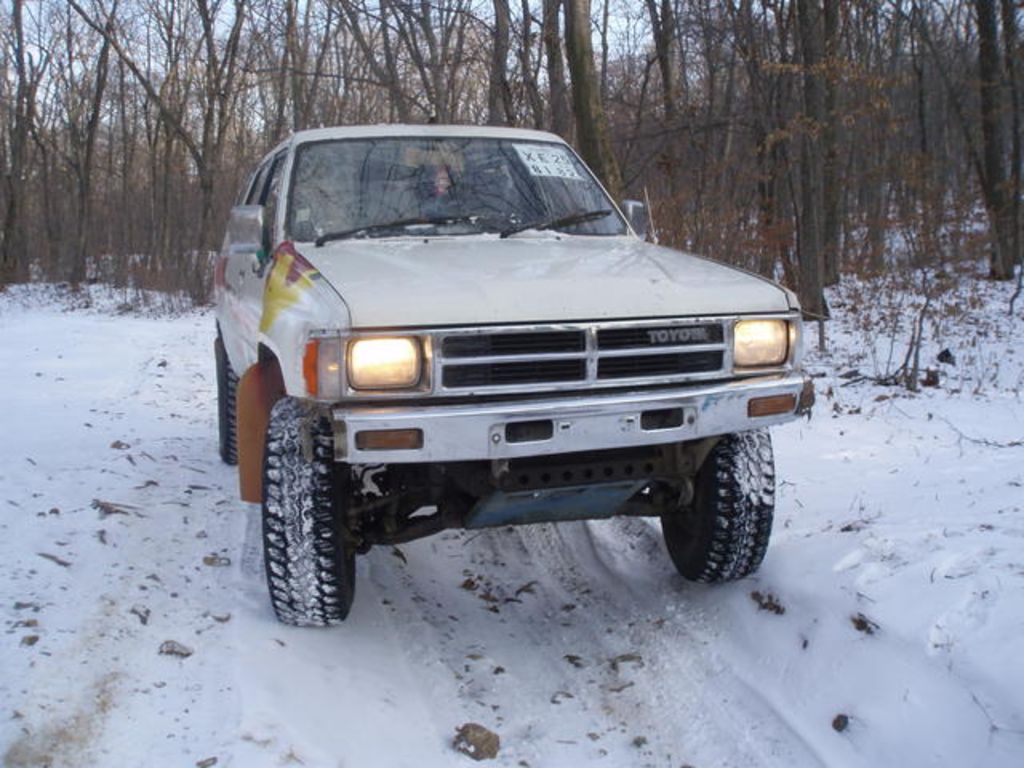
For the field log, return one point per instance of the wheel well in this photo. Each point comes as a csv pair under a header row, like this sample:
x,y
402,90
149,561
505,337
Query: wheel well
x,y
259,388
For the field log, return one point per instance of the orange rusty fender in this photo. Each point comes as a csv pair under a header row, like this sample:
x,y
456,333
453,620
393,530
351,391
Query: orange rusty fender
x,y
259,388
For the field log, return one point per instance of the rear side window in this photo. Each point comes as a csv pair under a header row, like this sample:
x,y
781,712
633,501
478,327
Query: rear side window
x,y
256,185
270,191
268,198
264,184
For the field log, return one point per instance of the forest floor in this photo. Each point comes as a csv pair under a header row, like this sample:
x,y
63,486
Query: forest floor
x,y
884,627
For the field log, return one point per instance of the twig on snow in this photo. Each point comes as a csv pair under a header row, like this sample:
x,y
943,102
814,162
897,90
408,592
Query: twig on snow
x,y
993,726
1019,289
981,440
54,559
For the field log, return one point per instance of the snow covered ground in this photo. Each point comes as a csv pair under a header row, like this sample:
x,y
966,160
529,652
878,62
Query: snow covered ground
x,y
886,626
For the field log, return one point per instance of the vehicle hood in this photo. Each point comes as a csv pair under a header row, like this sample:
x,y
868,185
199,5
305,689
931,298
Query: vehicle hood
x,y
478,280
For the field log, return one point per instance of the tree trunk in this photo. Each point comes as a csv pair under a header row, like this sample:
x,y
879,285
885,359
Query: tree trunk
x,y
83,224
499,98
829,136
591,124
530,70
13,262
994,178
809,225
663,25
1010,55
605,12
561,115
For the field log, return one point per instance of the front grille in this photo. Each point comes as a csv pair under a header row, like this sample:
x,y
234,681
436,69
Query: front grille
x,y
576,356
658,365
500,374
540,342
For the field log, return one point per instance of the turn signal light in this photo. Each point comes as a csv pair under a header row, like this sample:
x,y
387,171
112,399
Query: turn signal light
x,y
389,440
321,368
771,406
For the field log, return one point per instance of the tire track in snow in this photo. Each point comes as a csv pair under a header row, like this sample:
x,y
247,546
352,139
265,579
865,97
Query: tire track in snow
x,y
637,579
602,655
95,678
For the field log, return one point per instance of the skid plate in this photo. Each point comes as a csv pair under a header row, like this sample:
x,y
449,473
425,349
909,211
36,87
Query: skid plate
x,y
574,502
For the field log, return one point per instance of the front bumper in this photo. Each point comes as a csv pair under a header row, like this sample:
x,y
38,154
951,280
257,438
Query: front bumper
x,y
566,424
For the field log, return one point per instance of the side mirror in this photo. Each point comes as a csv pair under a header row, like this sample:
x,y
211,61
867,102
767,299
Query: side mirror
x,y
636,214
247,232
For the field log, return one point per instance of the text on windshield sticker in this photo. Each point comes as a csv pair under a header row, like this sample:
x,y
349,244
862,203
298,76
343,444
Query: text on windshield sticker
x,y
547,161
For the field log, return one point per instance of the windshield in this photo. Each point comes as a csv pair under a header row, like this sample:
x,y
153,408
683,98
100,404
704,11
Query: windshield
x,y
390,187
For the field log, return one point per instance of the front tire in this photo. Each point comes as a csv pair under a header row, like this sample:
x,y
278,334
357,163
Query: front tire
x,y
723,535
227,388
309,561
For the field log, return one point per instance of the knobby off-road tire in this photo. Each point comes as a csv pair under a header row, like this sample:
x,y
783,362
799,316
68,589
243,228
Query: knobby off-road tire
x,y
724,535
310,567
227,388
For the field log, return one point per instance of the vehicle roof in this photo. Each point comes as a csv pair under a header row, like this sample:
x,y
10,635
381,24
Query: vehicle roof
x,y
398,130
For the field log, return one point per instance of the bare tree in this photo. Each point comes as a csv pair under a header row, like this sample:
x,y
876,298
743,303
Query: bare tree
x,y
499,97
216,98
788,137
809,224
83,82
29,71
530,66
377,46
994,177
591,125
1011,55
663,28
561,115
830,224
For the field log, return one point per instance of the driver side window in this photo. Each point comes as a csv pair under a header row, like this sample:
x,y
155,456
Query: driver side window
x,y
263,190
269,197
259,181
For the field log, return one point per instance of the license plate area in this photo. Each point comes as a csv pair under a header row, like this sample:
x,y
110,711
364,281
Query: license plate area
x,y
579,431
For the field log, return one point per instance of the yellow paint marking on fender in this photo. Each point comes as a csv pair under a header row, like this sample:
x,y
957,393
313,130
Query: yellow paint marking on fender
x,y
290,279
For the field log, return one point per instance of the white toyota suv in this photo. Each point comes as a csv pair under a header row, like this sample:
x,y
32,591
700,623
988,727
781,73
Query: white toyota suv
x,y
428,327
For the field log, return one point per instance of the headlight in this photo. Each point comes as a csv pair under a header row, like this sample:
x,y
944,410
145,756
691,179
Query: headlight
x,y
760,343
384,363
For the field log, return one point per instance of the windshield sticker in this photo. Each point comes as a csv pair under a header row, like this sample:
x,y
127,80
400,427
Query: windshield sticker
x,y
547,161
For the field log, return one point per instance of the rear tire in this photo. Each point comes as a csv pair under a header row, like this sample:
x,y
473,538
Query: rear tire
x,y
723,535
227,389
309,560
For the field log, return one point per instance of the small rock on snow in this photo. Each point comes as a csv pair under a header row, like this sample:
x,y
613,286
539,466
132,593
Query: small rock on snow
x,y
142,612
627,658
174,648
766,601
863,624
476,741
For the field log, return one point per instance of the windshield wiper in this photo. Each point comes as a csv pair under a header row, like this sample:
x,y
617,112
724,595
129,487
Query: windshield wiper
x,y
345,233
579,217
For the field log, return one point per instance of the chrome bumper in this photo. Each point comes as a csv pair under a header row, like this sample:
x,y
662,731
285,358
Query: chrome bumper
x,y
588,422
